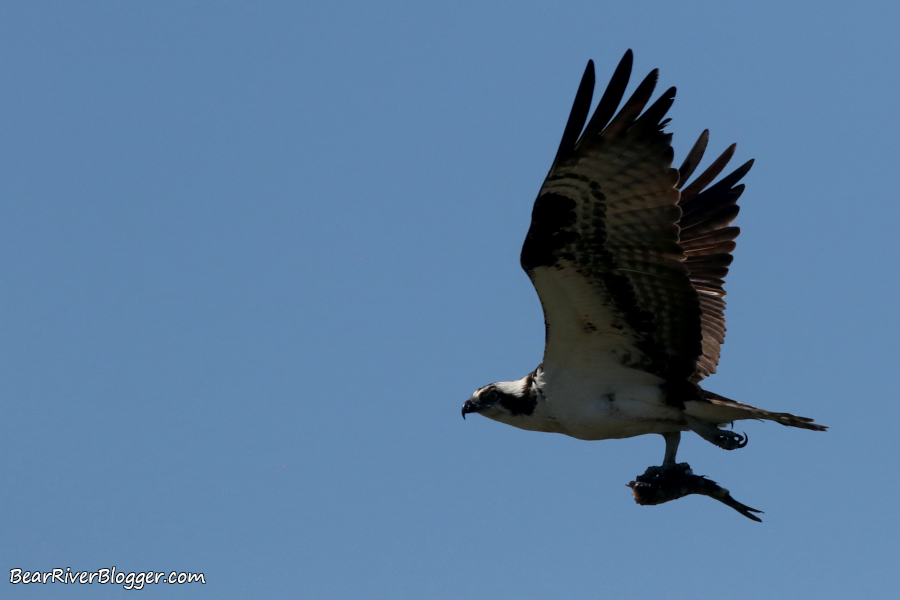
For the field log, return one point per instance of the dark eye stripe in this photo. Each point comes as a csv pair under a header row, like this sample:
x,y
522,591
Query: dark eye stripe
x,y
518,405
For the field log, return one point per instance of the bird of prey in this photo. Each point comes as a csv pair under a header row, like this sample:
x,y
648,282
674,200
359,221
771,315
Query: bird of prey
x,y
628,257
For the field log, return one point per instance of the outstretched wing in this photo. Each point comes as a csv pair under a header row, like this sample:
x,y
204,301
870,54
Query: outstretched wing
x,y
605,251
708,240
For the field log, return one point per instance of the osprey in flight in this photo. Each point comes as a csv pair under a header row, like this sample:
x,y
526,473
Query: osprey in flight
x,y
628,258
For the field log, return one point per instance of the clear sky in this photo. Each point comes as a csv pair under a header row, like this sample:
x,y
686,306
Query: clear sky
x,y
256,255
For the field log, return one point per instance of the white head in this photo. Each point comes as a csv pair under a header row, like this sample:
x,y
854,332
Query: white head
x,y
503,401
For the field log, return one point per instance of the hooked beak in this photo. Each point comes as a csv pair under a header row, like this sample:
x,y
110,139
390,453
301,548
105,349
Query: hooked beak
x,y
470,406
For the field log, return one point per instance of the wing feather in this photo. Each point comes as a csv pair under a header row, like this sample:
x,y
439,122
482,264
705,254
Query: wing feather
x,y
625,264
692,160
707,177
611,98
607,215
580,109
708,241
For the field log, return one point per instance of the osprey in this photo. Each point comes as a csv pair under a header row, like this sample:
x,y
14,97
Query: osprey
x,y
628,260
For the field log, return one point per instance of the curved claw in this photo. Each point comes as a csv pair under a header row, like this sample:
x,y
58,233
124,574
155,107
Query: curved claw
x,y
730,440
727,440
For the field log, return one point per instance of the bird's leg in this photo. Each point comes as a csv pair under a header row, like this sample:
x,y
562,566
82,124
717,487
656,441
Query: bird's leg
x,y
673,438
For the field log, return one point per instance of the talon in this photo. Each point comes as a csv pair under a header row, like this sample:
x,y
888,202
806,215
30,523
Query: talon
x,y
730,440
727,440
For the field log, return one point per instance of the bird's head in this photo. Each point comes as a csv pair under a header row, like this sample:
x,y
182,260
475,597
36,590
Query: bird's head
x,y
501,401
484,401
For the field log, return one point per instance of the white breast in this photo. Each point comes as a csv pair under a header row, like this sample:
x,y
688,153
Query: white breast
x,y
612,401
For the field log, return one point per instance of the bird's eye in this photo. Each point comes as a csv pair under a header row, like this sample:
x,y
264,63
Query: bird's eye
x,y
493,395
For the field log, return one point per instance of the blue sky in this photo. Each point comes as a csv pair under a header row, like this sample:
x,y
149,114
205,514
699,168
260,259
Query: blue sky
x,y
256,255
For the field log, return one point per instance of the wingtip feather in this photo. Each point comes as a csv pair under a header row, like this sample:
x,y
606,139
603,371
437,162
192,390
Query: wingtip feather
x,y
611,98
578,115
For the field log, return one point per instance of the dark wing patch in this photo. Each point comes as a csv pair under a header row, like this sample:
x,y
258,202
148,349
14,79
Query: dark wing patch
x,y
708,240
609,212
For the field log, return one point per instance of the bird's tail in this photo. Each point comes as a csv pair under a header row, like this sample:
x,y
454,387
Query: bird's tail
x,y
718,409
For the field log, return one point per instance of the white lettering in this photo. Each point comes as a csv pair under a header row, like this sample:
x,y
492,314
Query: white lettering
x,y
130,580
196,577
